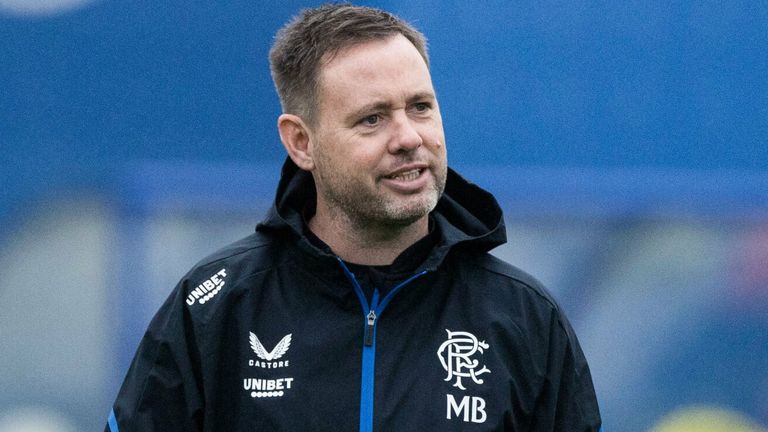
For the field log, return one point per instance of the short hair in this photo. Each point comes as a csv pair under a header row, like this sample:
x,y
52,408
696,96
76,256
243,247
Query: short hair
x,y
315,36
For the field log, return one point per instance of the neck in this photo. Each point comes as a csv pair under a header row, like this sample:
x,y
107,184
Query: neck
x,y
369,243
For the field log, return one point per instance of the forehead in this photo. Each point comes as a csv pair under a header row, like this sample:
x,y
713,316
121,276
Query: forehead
x,y
388,69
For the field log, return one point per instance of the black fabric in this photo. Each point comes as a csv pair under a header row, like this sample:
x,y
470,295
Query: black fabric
x,y
268,334
384,277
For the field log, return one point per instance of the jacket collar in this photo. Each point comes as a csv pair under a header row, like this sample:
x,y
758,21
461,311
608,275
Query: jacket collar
x,y
467,216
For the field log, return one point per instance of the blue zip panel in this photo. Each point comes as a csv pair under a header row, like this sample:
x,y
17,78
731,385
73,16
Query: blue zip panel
x,y
369,370
112,421
394,291
371,314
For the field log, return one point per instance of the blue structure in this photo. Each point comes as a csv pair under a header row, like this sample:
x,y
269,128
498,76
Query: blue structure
x,y
627,142
631,84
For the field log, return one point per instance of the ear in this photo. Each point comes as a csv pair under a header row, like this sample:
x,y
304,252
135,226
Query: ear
x,y
296,139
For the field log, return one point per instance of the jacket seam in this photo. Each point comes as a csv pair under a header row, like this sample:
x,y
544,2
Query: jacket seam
x,y
529,287
233,254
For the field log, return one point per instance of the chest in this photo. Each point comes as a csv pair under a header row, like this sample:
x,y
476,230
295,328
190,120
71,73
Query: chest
x,y
428,362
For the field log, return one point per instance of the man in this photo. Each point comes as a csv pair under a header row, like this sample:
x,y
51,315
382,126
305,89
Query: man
x,y
366,300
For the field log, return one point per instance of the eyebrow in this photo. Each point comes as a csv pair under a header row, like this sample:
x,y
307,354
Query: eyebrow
x,y
387,106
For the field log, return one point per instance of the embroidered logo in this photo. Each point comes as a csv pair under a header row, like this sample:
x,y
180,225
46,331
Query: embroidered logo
x,y
457,357
209,288
268,388
280,349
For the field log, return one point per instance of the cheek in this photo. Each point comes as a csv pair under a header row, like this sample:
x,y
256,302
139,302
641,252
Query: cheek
x,y
367,152
436,142
433,135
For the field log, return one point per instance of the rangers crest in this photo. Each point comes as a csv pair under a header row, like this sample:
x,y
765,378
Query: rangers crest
x,y
280,349
457,355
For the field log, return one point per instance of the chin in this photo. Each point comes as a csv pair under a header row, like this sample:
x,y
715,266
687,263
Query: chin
x,y
407,215
403,220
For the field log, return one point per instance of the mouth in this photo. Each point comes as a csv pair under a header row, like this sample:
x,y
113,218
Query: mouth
x,y
409,175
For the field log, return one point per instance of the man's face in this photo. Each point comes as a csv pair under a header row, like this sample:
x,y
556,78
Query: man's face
x,y
379,146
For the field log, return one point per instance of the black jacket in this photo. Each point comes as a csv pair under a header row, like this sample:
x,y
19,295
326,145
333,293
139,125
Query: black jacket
x,y
274,333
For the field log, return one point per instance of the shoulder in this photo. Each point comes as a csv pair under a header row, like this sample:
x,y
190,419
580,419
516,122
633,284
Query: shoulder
x,y
245,249
504,290
224,269
508,279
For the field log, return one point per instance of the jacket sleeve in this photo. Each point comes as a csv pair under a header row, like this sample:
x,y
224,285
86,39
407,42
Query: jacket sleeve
x,y
162,391
567,402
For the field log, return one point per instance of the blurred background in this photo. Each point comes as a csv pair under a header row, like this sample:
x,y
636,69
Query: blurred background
x,y
626,141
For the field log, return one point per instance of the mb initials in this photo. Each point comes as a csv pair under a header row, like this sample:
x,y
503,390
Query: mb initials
x,y
470,409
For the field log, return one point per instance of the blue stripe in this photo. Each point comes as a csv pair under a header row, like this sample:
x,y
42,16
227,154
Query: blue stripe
x,y
368,376
366,386
356,285
578,192
369,356
394,291
112,421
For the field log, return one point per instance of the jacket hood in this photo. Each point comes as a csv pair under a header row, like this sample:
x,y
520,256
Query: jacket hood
x,y
466,215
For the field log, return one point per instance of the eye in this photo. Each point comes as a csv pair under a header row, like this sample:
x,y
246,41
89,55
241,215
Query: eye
x,y
371,120
422,107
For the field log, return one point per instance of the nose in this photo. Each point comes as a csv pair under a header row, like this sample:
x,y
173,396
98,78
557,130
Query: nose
x,y
405,137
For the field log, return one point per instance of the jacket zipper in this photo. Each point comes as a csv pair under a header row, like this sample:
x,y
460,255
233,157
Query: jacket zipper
x,y
371,315
369,330
369,362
